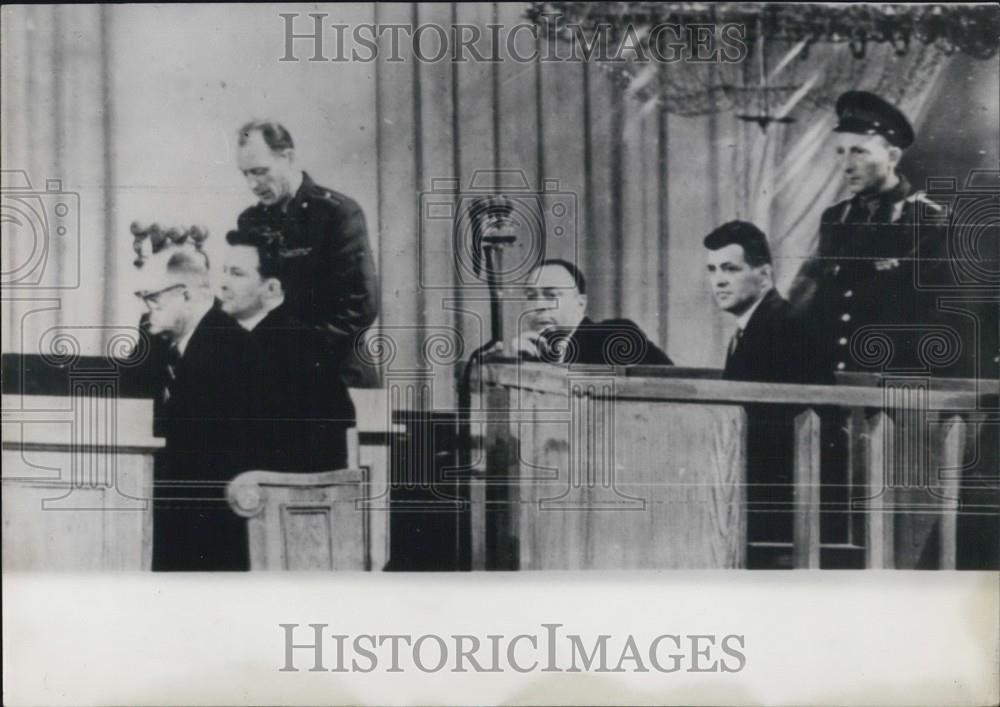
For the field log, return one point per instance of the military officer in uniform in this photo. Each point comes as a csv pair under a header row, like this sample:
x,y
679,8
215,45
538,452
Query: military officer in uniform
x,y
331,281
861,283
862,290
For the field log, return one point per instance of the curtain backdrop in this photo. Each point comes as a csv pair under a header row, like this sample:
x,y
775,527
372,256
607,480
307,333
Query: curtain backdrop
x,y
134,109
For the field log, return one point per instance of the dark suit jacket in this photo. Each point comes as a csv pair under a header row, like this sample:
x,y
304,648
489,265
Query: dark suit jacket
x,y
775,348
331,281
615,342
208,435
305,408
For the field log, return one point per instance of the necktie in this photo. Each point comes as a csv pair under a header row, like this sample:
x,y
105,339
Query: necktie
x,y
734,344
173,361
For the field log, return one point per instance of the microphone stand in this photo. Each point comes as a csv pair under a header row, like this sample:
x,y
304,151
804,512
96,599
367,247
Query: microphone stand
x,y
492,251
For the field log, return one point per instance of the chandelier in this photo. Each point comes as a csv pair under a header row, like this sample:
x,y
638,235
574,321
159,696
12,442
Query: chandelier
x,y
779,56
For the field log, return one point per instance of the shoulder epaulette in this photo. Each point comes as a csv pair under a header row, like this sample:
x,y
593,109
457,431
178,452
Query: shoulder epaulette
x,y
924,199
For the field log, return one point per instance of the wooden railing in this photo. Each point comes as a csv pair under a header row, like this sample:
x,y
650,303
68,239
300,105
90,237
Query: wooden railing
x,y
906,444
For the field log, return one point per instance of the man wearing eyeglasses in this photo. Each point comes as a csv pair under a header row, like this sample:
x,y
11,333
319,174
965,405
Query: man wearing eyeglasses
x,y
557,329
207,385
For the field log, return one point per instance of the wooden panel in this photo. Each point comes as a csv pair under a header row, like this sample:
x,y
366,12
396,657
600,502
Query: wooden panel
x,y
55,526
77,476
953,435
805,544
435,155
603,208
475,149
303,521
627,485
641,248
396,120
879,547
911,465
307,538
563,145
518,132
693,340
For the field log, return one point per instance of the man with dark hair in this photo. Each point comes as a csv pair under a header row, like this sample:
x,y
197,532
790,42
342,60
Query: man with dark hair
x,y
770,344
329,281
557,329
304,409
207,389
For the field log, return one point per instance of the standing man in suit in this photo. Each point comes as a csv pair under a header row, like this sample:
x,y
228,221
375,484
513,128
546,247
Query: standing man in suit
x,y
330,281
207,390
305,409
557,329
770,346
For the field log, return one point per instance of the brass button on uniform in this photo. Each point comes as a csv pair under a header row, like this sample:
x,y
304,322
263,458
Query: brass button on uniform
x,y
848,293
842,341
845,317
841,365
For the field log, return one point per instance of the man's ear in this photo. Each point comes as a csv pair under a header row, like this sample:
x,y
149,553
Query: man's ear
x,y
767,271
583,301
895,154
289,154
274,287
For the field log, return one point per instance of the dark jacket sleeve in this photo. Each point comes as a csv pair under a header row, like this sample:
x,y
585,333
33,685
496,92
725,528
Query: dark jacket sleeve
x,y
353,293
803,292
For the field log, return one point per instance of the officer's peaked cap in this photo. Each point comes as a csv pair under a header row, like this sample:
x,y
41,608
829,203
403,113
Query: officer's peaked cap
x,y
867,114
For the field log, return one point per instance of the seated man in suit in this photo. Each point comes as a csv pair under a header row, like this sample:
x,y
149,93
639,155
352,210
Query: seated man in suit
x,y
557,329
206,391
769,345
304,408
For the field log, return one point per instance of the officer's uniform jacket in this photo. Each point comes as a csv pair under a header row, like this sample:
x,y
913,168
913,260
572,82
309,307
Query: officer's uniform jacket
x,y
860,290
331,282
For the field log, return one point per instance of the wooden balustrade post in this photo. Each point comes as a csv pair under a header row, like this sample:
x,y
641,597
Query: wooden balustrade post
x,y
805,538
948,481
879,548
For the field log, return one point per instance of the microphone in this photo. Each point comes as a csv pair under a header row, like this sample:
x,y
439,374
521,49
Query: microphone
x,y
491,232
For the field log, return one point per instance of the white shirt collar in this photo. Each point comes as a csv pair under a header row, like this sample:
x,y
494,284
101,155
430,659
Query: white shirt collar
x,y
744,319
182,342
